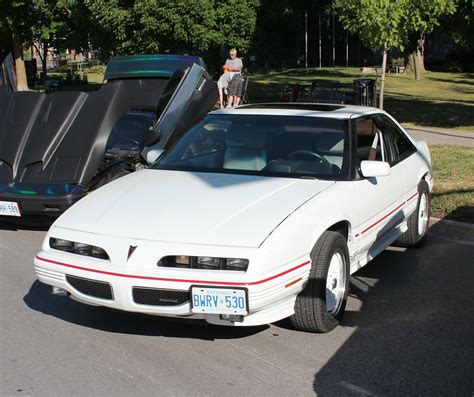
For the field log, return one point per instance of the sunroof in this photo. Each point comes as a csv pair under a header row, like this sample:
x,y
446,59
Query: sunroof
x,y
294,105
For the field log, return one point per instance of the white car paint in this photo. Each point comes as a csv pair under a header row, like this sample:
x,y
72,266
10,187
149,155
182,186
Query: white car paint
x,y
273,222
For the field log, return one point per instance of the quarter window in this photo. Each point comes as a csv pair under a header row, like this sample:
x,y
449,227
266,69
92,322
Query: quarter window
x,y
370,142
400,145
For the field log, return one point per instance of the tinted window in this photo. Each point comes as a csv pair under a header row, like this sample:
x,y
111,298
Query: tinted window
x,y
402,147
263,145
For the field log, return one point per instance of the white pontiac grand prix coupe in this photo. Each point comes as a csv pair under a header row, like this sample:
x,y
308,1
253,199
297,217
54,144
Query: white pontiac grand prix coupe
x,y
255,214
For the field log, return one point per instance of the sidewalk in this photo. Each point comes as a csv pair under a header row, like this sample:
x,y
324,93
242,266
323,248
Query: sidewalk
x,y
438,136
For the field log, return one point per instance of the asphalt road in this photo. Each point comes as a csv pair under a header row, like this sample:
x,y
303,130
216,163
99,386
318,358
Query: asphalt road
x,y
408,331
440,136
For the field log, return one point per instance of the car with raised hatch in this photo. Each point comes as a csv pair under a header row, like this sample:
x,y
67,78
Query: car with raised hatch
x,y
57,147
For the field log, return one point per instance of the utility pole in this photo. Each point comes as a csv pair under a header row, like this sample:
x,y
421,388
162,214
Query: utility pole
x,y
333,40
347,48
305,38
319,37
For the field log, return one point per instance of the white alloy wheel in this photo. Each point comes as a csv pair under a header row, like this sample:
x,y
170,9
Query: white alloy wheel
x,y
423,214
336,282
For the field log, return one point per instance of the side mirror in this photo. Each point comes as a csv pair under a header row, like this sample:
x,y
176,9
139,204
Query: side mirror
x,y
371,169
152,136
151,155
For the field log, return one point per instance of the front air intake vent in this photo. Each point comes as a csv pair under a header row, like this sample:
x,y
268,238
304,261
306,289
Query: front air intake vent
x,y
94,288
159,297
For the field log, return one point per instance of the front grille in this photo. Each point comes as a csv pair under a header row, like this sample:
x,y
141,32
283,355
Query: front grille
x,y
159,297
97,289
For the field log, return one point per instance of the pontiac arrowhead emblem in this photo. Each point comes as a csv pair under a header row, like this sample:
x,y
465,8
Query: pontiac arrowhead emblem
x,y
131,250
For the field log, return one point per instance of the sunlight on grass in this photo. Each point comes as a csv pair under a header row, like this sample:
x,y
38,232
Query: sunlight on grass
x,y
453,194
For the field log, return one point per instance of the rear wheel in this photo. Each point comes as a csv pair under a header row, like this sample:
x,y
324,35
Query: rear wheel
x,y
321,304
418,222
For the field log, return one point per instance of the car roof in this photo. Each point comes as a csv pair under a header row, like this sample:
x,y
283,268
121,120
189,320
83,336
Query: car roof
x,y
300,109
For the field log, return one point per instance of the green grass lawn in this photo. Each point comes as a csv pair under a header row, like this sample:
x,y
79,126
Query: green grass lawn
x,y
453,193
438,100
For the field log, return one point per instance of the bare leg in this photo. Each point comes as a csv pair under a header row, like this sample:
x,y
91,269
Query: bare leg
x,y
221,97
230,100
236,101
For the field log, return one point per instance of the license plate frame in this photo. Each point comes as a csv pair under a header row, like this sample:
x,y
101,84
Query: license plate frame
x,y
220,293
10,208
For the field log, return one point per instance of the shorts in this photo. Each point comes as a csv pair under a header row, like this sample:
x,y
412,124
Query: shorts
x,y
235,86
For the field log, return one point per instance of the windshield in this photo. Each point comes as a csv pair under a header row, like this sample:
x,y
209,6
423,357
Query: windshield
x,y
264,145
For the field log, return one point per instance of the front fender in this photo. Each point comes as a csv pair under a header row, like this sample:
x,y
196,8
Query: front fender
x,y
296,236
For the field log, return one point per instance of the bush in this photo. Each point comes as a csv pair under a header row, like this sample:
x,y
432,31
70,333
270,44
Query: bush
x,y
98,69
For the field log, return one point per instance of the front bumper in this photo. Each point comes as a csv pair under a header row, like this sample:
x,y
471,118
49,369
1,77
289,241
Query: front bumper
x,y
271,296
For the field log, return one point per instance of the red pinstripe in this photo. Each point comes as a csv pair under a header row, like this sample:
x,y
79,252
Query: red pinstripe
x,y
387,215
173,279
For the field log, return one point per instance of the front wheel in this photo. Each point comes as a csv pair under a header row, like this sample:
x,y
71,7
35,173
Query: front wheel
x,y
321,304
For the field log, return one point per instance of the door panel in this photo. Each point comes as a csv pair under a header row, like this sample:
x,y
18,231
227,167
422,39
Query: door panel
x,y
381,199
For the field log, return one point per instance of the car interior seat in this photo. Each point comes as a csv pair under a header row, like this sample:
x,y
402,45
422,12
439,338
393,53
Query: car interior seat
x,y
245,148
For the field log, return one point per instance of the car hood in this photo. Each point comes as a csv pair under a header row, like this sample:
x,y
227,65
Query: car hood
x,y
191,207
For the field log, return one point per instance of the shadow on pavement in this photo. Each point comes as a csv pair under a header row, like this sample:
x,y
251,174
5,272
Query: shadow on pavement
x,y
38,298
414,332
25,225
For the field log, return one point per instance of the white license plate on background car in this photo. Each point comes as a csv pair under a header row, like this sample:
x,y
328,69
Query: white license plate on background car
x,y
218,300
9,208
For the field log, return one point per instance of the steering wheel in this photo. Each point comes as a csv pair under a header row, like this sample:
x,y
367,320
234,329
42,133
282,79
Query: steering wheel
x,y
307,153
129,142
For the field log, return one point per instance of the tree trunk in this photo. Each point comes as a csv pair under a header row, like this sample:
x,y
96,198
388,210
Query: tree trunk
x,y
21,82
420,53
416,65
382,80
44,61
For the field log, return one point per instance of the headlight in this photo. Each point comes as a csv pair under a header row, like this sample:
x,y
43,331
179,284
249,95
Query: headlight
x,y
82,249
208,262
77,248
204,262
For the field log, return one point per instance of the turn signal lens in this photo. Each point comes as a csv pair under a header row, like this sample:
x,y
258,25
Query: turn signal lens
x,y
237,264
98,252
182,260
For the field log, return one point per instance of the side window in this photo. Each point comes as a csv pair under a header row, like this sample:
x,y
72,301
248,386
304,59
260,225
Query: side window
x,y
369,141
400,146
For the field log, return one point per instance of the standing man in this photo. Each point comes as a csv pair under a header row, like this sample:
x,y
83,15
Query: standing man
x,y
232,68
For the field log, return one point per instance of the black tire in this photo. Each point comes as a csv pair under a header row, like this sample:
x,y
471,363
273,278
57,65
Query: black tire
x,y
311,312
412,237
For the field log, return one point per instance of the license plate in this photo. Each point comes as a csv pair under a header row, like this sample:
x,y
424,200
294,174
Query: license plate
x,y
219,300
9,208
